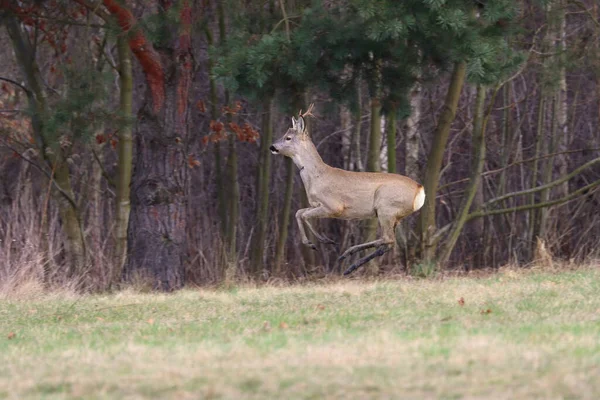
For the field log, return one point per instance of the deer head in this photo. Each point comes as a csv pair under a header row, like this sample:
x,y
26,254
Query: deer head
x,y
292,142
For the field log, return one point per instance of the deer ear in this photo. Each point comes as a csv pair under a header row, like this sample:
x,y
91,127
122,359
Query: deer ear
x,y
294,123
301,124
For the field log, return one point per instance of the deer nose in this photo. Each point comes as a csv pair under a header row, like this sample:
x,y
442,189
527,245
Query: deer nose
x,y
273,149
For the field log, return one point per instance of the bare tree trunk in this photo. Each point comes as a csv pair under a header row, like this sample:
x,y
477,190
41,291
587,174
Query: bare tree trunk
x,y
125,160
95,199
285,216
413,138
534,213
549,148
561,110
477,162
233,186
233,210
383,151
596,14
391,139
346,127
434,161
357,154
53,153
262,191
411,169
214,114
562,107
373,165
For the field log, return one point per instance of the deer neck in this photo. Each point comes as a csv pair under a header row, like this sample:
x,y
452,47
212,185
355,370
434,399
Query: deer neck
x,y
310,163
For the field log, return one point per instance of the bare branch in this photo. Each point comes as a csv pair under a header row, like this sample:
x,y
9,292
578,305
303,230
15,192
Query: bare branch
x,y
43,170
546,186
16,84
582,191
495,171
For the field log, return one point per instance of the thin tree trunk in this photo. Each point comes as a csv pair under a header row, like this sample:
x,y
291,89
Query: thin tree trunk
x,y
53,153
549,148
125,159
346,127
596,9
383,151
562,106
373,161
285,216
357,154
534,213
214,114
391,139
411,168
94,195
233,187
233,207
562,161
477,162
434,161
262,191
413,138
373,165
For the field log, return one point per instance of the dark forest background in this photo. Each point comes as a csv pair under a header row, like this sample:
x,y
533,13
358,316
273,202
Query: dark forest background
x,y
134,134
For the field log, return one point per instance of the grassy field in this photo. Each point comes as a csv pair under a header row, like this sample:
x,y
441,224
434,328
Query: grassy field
x,y
512,335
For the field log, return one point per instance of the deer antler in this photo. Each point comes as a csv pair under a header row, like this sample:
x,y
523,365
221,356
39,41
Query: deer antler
x,y
308,112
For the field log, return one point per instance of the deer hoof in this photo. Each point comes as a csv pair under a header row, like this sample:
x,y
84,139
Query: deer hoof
x,y
326,240
309,244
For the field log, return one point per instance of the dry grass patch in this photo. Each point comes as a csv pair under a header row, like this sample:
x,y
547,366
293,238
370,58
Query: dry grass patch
x,y
513,335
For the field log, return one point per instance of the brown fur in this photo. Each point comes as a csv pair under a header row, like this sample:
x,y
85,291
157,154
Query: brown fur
x,y
336,193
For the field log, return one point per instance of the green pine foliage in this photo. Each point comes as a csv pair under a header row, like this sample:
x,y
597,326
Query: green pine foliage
x,y
78,113
388,44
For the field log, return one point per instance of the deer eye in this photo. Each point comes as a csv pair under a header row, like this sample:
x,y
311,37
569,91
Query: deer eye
x,y
288,138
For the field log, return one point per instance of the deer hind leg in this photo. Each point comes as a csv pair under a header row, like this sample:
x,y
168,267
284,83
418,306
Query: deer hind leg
x,y
385,244
387,221
384,248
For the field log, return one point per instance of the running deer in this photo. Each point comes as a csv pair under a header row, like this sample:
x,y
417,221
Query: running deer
x,y
336,193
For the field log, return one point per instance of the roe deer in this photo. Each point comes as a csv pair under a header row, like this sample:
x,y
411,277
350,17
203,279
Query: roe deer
x,y
336,193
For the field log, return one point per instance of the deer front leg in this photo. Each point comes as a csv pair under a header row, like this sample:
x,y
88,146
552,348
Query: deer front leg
x,y
318,212
303,236
304,215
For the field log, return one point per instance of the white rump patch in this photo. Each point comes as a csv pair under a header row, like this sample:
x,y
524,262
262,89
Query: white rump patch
x,y
419,199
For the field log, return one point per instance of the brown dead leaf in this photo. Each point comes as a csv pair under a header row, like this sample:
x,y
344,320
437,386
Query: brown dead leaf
x,y
283,325
100,318
320,307
461,301
487,311
11,335
150,321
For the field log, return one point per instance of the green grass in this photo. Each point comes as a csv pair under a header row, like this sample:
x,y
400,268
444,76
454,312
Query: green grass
x,y
347,340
